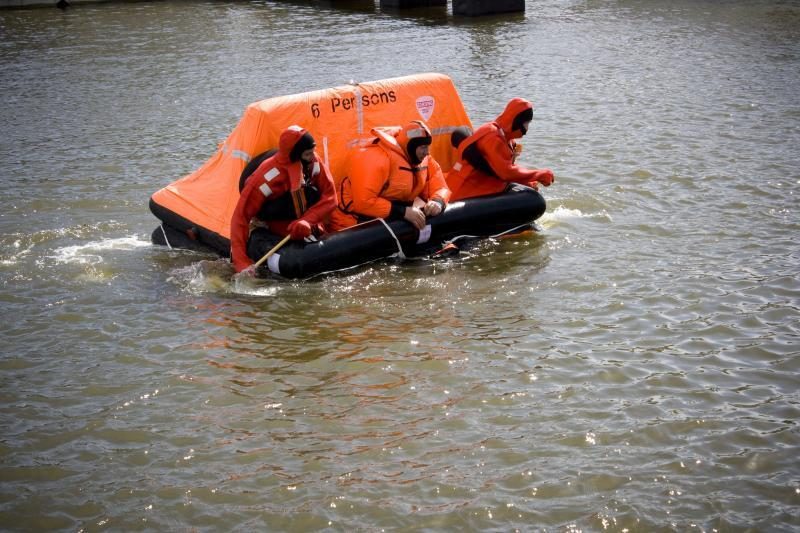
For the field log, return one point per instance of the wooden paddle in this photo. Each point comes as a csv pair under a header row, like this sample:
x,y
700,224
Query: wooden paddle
x,y
272,251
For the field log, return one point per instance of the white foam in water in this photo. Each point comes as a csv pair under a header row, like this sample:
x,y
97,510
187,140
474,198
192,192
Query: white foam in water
x,y
87,253
564,213
16,251
253,287
196,279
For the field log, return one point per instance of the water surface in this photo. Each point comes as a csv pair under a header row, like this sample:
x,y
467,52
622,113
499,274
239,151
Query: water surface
x,y
632,368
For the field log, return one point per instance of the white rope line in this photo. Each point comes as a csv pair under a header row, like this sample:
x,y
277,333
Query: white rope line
x,y
165,236
359,111
454,239
400,253
399,248
344,269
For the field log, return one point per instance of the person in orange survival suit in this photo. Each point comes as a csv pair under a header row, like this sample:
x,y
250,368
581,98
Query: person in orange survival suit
x,y
394,177
486,159
386,177
292,192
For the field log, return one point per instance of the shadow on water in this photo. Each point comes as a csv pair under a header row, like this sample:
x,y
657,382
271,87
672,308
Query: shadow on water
x,y
442,16
425,16
215,275
290,332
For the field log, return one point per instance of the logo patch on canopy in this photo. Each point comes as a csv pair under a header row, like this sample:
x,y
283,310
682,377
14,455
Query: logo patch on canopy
x,y
425,106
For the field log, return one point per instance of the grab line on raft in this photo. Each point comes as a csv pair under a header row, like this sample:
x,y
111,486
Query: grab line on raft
x,y
399,248
165,236
388,228
359,110
353,267
401,254
454,239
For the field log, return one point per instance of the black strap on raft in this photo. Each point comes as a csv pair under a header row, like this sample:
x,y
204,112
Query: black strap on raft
x,y
299,201
342,205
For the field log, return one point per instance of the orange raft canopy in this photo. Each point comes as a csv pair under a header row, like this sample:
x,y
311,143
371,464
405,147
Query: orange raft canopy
x,y
201,204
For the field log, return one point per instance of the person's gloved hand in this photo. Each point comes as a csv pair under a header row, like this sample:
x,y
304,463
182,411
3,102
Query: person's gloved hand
x,y
249,272
545,176
432,208
415,216
299,230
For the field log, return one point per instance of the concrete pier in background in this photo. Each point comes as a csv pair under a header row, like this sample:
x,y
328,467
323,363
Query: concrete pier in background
x,y
46,3
461,8
405,4
476,8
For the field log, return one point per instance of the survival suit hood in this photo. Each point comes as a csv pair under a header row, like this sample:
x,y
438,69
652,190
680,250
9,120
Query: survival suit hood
x,y
292,143
412,136
518,111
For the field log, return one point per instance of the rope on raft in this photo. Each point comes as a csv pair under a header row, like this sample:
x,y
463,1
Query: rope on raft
x,y
400,253
165,237
521,226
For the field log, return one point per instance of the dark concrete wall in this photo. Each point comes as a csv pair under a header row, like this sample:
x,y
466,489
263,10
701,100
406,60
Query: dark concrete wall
x,y
400,4
475,8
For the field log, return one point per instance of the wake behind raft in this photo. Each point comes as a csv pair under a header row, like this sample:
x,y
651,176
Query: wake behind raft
x,y
195,210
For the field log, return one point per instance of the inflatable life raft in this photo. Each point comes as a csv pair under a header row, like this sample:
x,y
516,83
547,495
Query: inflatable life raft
x,y
196,210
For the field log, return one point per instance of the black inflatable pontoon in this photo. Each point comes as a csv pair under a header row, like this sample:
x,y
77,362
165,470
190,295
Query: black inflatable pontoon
x,y
509,212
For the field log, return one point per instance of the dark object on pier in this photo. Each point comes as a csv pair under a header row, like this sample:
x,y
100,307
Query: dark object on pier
x,y
404,4
476,8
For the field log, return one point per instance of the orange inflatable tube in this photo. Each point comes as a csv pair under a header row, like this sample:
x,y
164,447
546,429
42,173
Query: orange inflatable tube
x,y
339,119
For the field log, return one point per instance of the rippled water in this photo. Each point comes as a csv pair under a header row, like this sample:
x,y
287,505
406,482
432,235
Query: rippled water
x,y
632,368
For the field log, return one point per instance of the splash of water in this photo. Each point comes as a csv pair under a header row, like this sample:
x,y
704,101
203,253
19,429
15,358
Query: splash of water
x,y
217,277
91,252
562,213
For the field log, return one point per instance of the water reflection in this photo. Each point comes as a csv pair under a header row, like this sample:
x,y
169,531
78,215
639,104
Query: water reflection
x,y
434,15
366,6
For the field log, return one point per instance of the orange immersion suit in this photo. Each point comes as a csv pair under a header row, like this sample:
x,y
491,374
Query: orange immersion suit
x,y
383,179
311,195
486,158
